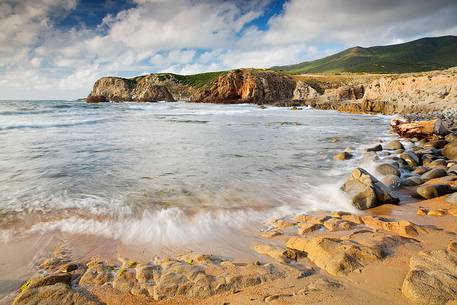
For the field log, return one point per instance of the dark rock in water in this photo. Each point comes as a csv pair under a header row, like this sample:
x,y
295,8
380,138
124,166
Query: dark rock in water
x,y
435,144
420,170
96,99
412,181
411,158
375,148
432,191
452,137
450,151
344,155
452,198
366,191
388,169
427,159
432,278
394,145
452,170
434,173
438,163
392,181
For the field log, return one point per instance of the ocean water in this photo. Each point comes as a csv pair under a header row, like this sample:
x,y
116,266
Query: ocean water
x,y
169,174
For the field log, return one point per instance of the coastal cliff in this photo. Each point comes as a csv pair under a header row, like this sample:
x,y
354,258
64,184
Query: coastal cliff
x,y
356,93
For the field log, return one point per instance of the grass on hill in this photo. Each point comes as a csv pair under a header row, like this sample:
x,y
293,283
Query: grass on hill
x,y
199,80
416,56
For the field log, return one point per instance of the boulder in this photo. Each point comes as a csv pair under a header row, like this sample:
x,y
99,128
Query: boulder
x,y
410,158
421,129
452,137
303,91
412,181
432,277
450,151
56,294
452,198
344,155
420,170
434,173
394,145
375,148
366,191
433,190
91,99
388,169
392,181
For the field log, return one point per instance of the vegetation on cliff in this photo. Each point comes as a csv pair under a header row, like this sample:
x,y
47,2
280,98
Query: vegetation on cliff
x,y
415,56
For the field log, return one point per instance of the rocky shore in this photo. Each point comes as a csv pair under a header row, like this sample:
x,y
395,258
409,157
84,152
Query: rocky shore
x,y
401,248
425,92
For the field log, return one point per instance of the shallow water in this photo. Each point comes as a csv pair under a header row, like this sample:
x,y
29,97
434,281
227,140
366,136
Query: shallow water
x,y
169,174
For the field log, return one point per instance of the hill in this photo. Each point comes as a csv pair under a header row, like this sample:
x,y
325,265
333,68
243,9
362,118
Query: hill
x,y
424,54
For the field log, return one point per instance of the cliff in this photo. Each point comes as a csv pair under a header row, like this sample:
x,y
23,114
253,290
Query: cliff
x,y
357,93
149,88
248,86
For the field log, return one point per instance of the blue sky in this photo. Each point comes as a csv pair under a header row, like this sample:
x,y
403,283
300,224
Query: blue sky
x,y
58,48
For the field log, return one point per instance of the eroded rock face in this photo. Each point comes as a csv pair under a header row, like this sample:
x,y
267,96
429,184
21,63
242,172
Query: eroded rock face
x,y
303,91
366,191
432,278
149,88
248,86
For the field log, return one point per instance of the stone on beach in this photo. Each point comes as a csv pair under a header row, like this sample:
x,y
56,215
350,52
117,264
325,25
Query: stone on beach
x,y
393,145
388,169
432,277
433,190
344,155
366,191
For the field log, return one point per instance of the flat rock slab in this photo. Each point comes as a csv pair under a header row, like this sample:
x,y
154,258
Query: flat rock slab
x,y
432,278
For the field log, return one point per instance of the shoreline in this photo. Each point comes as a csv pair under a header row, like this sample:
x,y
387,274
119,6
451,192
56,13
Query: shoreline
x,y
367,253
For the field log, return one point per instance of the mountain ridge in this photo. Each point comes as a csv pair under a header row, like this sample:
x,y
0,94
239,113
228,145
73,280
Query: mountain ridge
x,y
424,54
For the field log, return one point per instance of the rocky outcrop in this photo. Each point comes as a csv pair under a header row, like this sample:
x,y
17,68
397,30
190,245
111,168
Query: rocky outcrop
x,y
248,86
304,91
149,88
366,191
432,278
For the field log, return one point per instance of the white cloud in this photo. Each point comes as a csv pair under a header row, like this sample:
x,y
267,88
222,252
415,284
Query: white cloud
x,y
38,59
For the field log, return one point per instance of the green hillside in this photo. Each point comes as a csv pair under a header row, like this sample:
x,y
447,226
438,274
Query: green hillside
x,y
419,55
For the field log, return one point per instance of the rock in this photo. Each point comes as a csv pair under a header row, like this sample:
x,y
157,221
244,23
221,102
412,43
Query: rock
x,y
350,92
96,99
421,211
438,163
438,212
403,227
432,277
148,88
248,86
394,145
412,181
435,144
452,170
432,191
452,198
342,256
452,137
324,285
450,151
305,228
271,251
303,91
388,169
452,211
366,191
375,148
97,274
391,181
344,155
336,224
410,158
421,170
421,129
56,294
434,173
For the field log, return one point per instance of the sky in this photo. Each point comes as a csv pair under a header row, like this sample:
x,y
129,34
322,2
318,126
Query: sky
x,y
56,49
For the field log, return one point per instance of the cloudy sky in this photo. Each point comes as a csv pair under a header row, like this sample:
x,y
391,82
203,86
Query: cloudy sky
x,y
56,49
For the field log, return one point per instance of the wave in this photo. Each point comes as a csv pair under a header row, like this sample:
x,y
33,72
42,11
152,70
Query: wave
x,y
50,124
